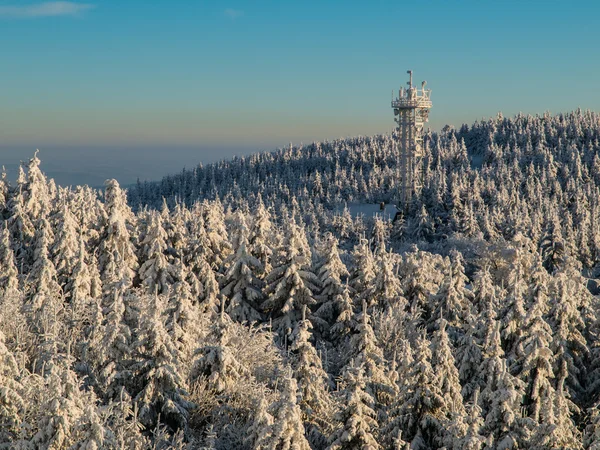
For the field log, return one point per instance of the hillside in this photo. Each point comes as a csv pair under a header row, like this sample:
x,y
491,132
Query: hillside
x,y
240,305
497,177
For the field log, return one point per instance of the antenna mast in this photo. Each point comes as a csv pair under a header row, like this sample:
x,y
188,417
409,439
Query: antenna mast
x,y
411,111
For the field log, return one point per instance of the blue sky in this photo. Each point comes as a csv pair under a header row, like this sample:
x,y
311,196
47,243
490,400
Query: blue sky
x,y
139,89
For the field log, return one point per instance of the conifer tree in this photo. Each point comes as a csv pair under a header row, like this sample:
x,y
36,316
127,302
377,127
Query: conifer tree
x,y
385,290
219,247
330,273
215,361
291,284
184,322
568,343
161,391
472,440
62,408
210,293
502,392
126,427
514,314
21,228
484,291
9,281
380,235
111,348
66,245
421,279
117,257
312,379
261,430
364,350
345,321
556,429
287,431
421,408
45,304
37,195
242,285
156,271
421,226
363,272
260,237
537,369
469,358
177,231
358,419
196,254
552,247
12,404
444,365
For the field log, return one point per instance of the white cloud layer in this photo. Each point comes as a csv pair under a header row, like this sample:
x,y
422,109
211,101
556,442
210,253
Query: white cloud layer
x,y
46,9
233,13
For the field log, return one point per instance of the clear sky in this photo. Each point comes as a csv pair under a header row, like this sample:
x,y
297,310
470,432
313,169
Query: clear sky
x,y
129,88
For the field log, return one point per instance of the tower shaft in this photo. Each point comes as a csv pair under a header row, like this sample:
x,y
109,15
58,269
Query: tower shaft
x,y
411,111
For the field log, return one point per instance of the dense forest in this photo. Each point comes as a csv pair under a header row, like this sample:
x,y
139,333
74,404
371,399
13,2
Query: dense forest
x,y
240,305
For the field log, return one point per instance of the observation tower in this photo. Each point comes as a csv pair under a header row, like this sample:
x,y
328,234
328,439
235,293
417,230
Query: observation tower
x,y
411,111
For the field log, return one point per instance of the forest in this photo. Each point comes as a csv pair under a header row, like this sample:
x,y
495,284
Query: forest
x,y
240,305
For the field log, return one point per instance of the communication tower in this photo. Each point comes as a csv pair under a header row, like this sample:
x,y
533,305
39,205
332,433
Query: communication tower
x,y
411,111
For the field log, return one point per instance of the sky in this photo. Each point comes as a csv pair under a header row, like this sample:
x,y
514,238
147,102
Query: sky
x,y
139,89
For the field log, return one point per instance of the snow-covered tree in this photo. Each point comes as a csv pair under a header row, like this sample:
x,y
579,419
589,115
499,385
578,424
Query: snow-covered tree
x,y
363,349
156,271
566,315
219,247
358,419
332,300
421,408
12,404
66,245
312,379
161,392
111,348
19,223
290,284
537,360
9,281
453,300
287,431
184,321
364,270
215,361
260,238
260,432
117,257
37,195
385,290
346,319
444,366
242,285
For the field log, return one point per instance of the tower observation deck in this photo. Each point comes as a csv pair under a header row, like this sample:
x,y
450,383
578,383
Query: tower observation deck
x,y
411,111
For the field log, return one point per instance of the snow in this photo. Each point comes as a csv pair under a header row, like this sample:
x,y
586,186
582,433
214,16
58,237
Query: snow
x,y
370,210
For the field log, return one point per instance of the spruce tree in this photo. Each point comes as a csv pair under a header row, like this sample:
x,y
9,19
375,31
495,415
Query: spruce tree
x,y
241,283
287,431
117,257
290,284
161,392
312,379
156,271
12,404
358,419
